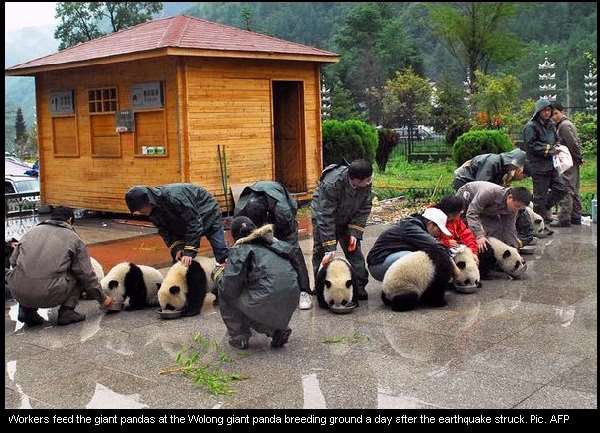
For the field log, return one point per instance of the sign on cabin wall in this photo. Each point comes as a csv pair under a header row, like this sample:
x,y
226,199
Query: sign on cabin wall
x,y
146,95
124,121
62,102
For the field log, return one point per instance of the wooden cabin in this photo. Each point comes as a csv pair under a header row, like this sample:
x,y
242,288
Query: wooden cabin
x,y
176,100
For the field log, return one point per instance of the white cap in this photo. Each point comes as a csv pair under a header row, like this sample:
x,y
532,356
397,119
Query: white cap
x,y
437,217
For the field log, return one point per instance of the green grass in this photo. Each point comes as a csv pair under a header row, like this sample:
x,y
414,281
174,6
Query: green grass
x,y
401,177
203,363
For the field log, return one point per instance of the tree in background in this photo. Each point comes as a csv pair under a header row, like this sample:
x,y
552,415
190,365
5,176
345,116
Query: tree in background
x,y
246,16
406,100
496,97
449,107
374,46
20,134
475,34
343,105
84,21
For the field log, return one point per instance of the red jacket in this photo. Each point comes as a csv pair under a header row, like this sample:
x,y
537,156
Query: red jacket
x,y
461,234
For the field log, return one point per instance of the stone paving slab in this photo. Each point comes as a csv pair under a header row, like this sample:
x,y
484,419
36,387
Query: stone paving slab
x,y
516,343
551,397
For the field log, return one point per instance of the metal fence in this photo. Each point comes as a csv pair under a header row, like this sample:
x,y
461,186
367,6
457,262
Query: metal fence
x,y
423,147
20,213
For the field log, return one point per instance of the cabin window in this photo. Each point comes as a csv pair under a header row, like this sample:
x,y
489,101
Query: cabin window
x,y
106,141
102,100
64,136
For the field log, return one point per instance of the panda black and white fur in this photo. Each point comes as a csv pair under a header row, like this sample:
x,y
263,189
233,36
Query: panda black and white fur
x,y
537,222
184,288
468,271
138,283
97,268
335,284
501,256
421,276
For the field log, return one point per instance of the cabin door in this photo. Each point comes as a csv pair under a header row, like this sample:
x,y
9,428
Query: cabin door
x,y
288,130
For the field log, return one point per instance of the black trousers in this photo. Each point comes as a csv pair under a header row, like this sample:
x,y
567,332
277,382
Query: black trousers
x,y
548,190
356,258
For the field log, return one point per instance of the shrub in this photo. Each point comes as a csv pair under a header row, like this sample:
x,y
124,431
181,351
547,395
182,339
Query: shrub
x,y
351,139
587,129
477,142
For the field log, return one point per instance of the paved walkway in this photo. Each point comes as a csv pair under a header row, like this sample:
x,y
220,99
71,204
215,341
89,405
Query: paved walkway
x,y
526,344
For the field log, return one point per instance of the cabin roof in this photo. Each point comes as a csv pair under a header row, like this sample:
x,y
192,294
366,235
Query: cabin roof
x,y
179,35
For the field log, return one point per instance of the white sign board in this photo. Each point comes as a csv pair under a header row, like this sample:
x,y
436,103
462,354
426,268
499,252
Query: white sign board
x,y
146,95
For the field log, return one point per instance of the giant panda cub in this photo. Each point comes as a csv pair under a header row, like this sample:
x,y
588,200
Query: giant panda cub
x,y
335,284
138,283
536,221
420,276
184,288
501,256
467,279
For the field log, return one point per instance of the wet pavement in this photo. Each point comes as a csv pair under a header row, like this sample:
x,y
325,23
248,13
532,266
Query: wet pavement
x,y
516,344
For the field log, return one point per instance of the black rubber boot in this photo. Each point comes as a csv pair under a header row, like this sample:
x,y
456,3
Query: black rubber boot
x,y
29,316
67,316
280,338
362,294
240,342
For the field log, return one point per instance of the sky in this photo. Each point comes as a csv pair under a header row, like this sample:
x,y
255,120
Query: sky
x,y
18,15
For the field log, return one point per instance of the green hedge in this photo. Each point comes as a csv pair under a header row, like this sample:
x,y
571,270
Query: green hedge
x,y
477,142
350,139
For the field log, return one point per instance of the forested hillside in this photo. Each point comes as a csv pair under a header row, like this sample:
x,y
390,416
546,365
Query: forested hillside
x,y
374,40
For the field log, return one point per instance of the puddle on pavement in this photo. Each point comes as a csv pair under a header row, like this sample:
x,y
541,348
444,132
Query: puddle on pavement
x,y
313,397
11,369
90,327
13,314
566,315
387,400
106,398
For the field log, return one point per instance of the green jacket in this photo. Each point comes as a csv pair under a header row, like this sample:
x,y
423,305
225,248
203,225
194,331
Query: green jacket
x,y
282,208
260,279
336,204
183,213
539,138
490,167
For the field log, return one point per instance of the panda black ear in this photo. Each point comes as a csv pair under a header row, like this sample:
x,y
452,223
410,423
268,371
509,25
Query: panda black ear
x,y
112,284
327,284
174,290
461,265
348,283
506,254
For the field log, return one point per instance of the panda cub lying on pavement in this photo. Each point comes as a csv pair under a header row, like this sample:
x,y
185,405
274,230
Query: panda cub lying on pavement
x,y
137,283
421,276
500,256
184,288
